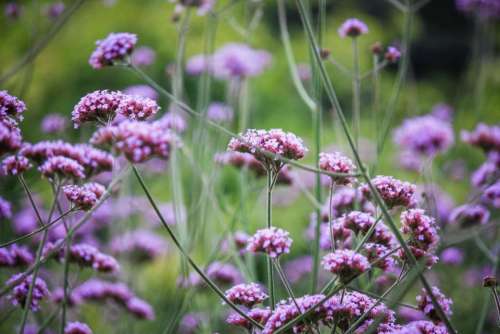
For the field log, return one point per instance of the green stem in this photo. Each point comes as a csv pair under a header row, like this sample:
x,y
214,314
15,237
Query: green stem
x,y
356,91
376,100
69,236
270,272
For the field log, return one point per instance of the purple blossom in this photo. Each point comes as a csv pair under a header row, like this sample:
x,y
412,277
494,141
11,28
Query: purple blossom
x,y
140,308
246,294
11,106
484,8
203,6
357,221
337,163
410,314
304,72
260,315
452,255
140,244
136,107
424,135
394,192
5,209
73,298
190,322
19,293
392,54
352,28
84,197
62,167
346,199
421,327
491,195
15,255
236,61
116,47
470,214
54,123
485,174
142,90
443,112
378,254
420,228
219,112
55,9
173,120
345,263
13,10
425,304
77,328
10,136
100,105
272,241
143,56
382,235
198,64
298,268
435,200
224,273
484,136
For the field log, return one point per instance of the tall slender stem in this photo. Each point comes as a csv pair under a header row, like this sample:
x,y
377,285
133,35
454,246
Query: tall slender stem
x,y
356,91
376,99
65,280
330,215
270,273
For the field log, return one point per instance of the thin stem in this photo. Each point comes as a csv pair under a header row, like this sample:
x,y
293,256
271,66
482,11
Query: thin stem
x,y
374,295
65,280
270,273
330,215
356,91
285,282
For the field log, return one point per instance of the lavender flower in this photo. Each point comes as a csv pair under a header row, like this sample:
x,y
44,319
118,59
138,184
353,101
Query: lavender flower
x,y
484,136
10,136
424,135
143,56
84,197
140,308
272,241
15,165
298,268
73,298
15,256
484,8
337,163
141,244
346,263
142,90
5,209
198,64
246,294
190,322
470,214
136,107
219,112
378,254
424,303
53,124
392,54
346,199
114,48
62,167
421,327
485,174
224,273
421,229
491,195
19,293
304,71
100,105
357,221
77,328
98,290
55,9
236,61
443,112
452,256
11,106
352,28
393,191
258,314
13,10
173,120
203,6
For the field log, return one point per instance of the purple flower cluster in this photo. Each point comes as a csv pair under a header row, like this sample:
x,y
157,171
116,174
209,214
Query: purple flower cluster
x,y
137,107
393,191
62,167
84,197
173,120
141,244
491,195
378,255
5,209
100,105
484,8
260,315
484,136
222,273
421,327
10,136
422,232
392,54
77,328
358,222
116,47
425,304
15,165
198,64
345,263
54,124
219,112
240,160
11,106
352,28
143,56
54,10
272,241
138,141
246,294
15,255
19,293
469,215
88,256
337,163
236,61
344,200
142,90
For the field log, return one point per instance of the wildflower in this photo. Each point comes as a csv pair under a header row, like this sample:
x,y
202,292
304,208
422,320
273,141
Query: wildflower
x,y
484,136
116,47
304,72
260,315
19,293
140,308
421,327
105,263
393,191
84,197
379,255
484,8
382,235
72,299
421,229
190,322
246,294
198,64
15,256
203,6
452,256
346,263
274,141
99,290
10,136
485,174
172,120
5,209
55,9
140,244
136,107
219,112
223,273
352,28
470,214
392,54
357,221
337,163
443,112
142,90
424,135
62,167
491,195
15,165
53,123
424,303
236,61
13,10
143,56
435,200
11,106
77,328
344,200
100,106
241,160
138,141
298,268
272,241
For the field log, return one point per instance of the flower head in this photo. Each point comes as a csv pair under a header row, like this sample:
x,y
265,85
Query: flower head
x,y
142,90
352,28
272,241
15,165
19,293
5,209
140,244
345,263
77,328
219,112
421,229
62,167
260,315
484,136
10,136
11,106
53,123
491,195
85,196
424,303
55,9
143,56
236,60
470,214
246,294
137,107
337,163
114,48
99,105
140,308
392,54
357,221
393,191
484,8
198,64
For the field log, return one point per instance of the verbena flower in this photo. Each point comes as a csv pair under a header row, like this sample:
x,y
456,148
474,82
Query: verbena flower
x,y
15,165
443,112
260,315
421,327
62,167
378,254
84,197
86,255
136,107
19,293
140,308
298,268
173,120
491,195
424,135
142,90
345,263
392,54
5,209
143,56
424,303
15,256
358,222
203,7
100,105
394,192
246,294
337,163
11,106
77,328
116,47
10,136
190,322
53,123
486,137
73,299
198,64
13,10
141,245
236,61
352,28
421,229
344,200
469,215
55,9
272,241
485,174
484,8
452,256
219,112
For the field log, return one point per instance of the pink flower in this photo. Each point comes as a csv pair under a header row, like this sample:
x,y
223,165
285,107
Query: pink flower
x,y
62,167
424,303
15,165
84,197
352,28
116,47
393,191
272,241
337,163
136,107
246,294
345,263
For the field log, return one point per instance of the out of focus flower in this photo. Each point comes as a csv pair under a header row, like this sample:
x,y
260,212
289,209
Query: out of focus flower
x,y
198,64
140,308
77,328
203,6
99,106
410,314
54,123
394,192
15,256
378,255
422,232
484,8
486,173
357,221
142,90
224,273
337,163
190,322
260,315
484,136
246,294
13,10
298,268
73,298
344,200
15,165
173,120
116,47
137,107
435,201
470,214
443,111
219,112
5,209
140,244
55,9
19,293
424,303
424,135
491,195
392,54
452,255
421,327
11,106
62,167
10,136
143,56
304,72
352,28
236,61
346,263
272,241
